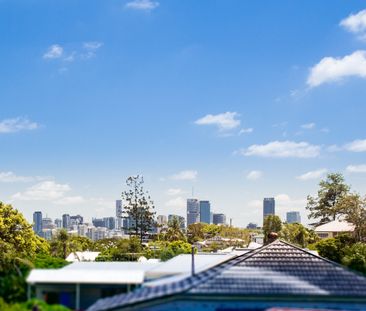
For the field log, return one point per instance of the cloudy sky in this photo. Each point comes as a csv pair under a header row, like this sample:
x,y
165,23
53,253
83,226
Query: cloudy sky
x,y
236,99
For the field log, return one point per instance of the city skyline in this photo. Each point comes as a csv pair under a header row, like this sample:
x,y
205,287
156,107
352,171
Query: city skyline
x,y
227,101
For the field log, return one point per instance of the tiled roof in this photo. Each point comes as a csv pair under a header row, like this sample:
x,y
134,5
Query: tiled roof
x,y
275,269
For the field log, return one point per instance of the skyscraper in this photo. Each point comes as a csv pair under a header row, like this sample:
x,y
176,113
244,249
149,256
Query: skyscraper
x,y
219,219
205,212
66,221
293,217
37,222
268,207
119,214
193,211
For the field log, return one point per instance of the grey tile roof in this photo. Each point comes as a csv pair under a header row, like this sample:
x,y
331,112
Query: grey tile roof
x,y
276,269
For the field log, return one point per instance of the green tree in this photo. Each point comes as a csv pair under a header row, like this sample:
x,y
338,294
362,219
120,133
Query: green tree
x,y
355,257
195,232
61,244
353,207
18,247
272,223
175,248
295,234
122,250
174,231
324,207
139,207
334,248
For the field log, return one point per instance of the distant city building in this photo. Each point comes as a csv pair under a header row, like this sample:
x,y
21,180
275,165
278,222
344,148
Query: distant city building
x,y
268,207
66,221
181,220
219,219
161,220
58,223
205,212
37,222
98,222
76,220
293,217
109,223
252,225
193,211
119,214
82,230
47,223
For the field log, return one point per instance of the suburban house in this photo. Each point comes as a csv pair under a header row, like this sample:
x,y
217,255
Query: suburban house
x,y
278,275
81,284
333,228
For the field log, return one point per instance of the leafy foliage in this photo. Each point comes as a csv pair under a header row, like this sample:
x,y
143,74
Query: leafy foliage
x,y
295,234
139,206
355,257
174,231
31,305
324,207
175,248
121,250
272,223
334,248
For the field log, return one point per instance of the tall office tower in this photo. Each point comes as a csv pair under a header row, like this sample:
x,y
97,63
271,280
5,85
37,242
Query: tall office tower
x,y
193,211
66,221
37,222
205,212
219,219
181,220
293,217
58,223
119,214
268,207
109,223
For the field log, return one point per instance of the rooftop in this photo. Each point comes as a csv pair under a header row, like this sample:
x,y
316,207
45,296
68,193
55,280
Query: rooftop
x,y
277,269
335,226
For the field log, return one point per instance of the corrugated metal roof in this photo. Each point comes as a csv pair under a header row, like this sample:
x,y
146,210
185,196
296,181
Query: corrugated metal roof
x,y
68,276
275,269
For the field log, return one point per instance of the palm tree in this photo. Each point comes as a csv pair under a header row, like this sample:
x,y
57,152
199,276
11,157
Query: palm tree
x,y
174,232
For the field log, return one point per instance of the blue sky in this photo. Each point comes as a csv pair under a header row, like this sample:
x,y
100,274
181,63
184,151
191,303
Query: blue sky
x,y
237,99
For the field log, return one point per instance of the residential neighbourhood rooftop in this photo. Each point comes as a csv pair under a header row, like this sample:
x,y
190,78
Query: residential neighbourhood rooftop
x,y
277,270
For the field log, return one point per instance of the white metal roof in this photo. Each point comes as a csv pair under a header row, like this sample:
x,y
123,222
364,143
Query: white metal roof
x,y
182,264
335,226
111,266
82,256
69,276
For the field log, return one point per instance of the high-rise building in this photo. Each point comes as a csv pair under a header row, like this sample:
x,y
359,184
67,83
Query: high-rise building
x,y
293,217
219,219
37,222
181,220
161,220
268,207
58,223
109,223
193,211
76,220
119,214
47,223
205,212
98,222
66,221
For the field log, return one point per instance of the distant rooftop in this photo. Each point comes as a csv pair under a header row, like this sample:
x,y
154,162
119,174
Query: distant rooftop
x,y
335,226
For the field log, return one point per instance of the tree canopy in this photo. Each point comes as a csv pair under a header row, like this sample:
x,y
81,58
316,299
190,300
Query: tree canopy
x,y
324,207
272,223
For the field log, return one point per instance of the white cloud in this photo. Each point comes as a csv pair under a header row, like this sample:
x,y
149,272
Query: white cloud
x,y
91,48
254,175
54,51
10,177
312,174
178,202
43,191
246,131
308,126
185,175
144,5
356,168
283,149
16,125
358,145
331,69
284,203
356,23
70,200
224,121
174,191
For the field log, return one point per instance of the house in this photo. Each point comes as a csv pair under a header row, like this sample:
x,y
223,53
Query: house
x,y
81,284
333,228
278,275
